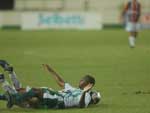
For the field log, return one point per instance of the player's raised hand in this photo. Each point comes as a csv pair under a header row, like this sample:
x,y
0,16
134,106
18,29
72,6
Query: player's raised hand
x,y
47,67
44,66
88,87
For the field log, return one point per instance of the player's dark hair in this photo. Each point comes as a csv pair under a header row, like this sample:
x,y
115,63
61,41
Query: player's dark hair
x,y
89,79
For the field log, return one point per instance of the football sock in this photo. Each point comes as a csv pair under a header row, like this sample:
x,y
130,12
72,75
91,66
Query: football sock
x,y
132,41
7,87
14,79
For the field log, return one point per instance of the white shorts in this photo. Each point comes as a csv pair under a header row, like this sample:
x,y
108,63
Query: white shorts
x,y
132,27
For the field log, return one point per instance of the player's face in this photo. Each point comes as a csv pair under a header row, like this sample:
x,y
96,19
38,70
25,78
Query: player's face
x,y
82,83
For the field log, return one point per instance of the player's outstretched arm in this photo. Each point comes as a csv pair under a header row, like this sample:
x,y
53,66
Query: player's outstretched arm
x,y
56,76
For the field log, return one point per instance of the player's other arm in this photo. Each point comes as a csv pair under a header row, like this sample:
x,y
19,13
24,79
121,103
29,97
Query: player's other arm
x,y
82,103
139,12
125,8
122,14
56,76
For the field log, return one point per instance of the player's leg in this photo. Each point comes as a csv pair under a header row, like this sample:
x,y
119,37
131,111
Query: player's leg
x,y
14,79
33,98
6,97
2,79
24,99
3,97
6,86
19,98
130,27
25,96
132,39
52,99
5,65
40,98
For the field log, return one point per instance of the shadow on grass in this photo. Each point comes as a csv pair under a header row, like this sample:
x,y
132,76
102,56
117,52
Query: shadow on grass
x,y
26,110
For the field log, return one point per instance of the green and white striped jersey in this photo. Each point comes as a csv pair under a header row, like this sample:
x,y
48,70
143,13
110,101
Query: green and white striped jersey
x,y
73,95
69,95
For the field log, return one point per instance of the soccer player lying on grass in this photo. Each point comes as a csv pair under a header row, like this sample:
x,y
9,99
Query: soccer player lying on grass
x,y
44,97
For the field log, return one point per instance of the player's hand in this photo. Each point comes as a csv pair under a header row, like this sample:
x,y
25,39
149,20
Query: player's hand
x,y
48,68
45,66
88,87
121,19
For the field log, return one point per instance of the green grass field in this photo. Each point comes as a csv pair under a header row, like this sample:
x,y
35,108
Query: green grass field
x,y
122,74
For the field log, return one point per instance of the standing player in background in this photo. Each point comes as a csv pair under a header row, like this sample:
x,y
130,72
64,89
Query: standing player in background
x,y
131,14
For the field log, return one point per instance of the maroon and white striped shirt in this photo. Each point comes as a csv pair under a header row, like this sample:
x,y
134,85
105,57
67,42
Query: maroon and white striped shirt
x,y
132,11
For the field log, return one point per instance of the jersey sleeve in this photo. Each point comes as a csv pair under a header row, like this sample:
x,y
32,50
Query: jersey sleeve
x,y
87,99
68,87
